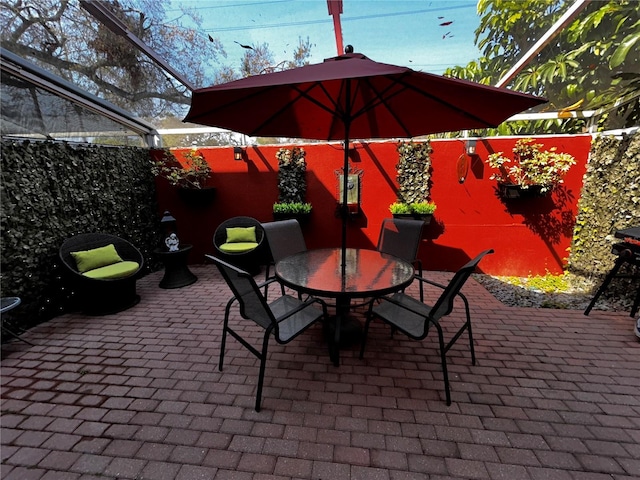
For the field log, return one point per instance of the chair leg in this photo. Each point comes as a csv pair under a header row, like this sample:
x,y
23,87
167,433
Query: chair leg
x,y
266,277
365,333
225,327
443,361
468,327
420,283
263,364
471,347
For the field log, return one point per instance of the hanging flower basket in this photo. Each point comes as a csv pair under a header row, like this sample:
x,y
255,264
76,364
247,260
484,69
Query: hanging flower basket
x,y
532,173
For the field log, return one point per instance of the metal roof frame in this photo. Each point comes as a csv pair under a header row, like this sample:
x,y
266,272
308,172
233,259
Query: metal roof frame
x,y
39,77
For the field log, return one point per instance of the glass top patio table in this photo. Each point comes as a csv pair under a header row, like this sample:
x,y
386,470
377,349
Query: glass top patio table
x,y
366,273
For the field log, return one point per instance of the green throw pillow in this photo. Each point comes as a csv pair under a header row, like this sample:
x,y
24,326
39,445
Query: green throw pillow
x,y
241,234
98,257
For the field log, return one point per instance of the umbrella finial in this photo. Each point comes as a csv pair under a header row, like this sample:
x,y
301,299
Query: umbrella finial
x,y
348,49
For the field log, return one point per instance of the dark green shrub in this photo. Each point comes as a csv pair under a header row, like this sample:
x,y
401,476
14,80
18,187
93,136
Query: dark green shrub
x,y
51,191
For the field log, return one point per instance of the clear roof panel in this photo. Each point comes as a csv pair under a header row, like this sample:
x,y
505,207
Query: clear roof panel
x,y
32,112
206,42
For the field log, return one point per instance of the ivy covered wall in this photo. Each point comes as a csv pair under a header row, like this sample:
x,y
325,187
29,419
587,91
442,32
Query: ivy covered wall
x,y
51,191
610,201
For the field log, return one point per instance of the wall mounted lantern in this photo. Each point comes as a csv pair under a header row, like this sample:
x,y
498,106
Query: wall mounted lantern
x,y
238,153
471,147
354,179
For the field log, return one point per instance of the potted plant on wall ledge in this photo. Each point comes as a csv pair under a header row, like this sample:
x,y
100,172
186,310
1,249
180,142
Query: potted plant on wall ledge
x,y
417,210
413,173
192,177
292,185
531,173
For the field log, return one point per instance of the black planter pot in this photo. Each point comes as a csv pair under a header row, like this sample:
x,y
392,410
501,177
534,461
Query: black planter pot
x,y
510,191
300,217
197,196
426,218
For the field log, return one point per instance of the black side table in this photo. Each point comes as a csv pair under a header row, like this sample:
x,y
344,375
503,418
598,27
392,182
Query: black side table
x,y
176,271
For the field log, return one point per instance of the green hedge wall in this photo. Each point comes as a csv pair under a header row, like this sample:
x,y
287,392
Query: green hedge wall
x,y
51,191
610,201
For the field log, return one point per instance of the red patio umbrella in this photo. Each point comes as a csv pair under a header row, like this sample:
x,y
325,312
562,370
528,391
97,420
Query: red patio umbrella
x,y
351,96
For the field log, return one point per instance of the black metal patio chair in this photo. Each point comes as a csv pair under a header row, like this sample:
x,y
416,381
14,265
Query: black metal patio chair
x,y
414,318
283,319
284,238
401,237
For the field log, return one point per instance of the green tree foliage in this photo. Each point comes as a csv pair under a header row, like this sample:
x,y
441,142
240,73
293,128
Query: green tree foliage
x,y
63,38
592,63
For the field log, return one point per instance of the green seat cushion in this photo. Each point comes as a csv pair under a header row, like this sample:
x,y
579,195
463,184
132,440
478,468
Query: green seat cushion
x,y
241,234
95,258
116,270
238,247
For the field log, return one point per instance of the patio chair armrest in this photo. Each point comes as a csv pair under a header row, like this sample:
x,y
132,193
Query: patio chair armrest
x,y
395,302
267,282
302,306
439,285
430,282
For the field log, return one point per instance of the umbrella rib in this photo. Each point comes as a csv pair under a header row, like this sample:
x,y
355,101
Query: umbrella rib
x,y
302,93
381,99
450,105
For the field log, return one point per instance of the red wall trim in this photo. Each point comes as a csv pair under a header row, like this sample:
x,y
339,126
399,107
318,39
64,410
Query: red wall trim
x,y
528,236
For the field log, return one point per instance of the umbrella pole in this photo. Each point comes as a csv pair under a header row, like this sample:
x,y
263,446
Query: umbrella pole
x,y
345,177
344,210
345,174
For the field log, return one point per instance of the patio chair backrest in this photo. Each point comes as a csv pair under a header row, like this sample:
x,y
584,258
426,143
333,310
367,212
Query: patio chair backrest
x,y
253,305
400,237
444,304
285,238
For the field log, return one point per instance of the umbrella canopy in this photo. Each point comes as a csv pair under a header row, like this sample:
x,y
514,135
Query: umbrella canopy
x,y
351,96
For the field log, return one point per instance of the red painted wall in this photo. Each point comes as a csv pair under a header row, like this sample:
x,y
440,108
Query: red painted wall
x,y
528,236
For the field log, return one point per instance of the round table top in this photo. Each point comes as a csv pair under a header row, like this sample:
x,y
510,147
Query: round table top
x,y
367,272
8,303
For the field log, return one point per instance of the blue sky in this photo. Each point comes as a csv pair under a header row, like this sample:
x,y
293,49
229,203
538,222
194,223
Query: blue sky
x,y
424,35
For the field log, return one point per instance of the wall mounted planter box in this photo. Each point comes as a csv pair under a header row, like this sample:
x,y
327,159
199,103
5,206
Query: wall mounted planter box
x,y
300,217
197,196
426,218
510,191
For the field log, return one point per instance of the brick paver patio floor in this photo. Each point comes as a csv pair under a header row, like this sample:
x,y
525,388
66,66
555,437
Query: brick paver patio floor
x,y
137,395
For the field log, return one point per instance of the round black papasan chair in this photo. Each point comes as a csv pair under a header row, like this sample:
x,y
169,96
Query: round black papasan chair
x,y
102,270
239,241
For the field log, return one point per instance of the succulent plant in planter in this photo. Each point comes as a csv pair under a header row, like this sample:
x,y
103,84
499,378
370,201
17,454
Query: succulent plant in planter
x,y
292,184
417,210
530,169
399,208
414,180
423,208
293,208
